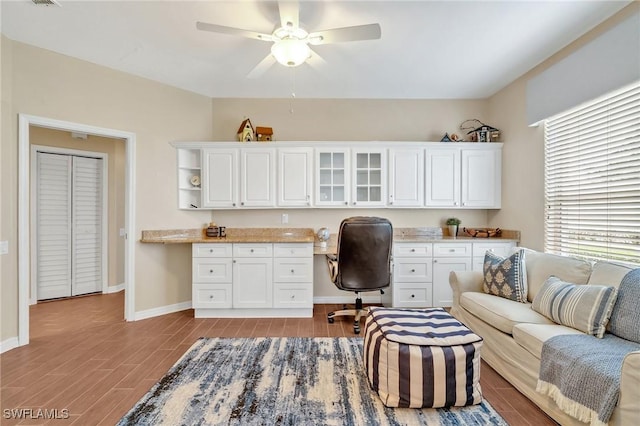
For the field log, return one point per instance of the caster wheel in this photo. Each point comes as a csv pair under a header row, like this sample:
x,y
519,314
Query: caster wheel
x,y
356,330
330,320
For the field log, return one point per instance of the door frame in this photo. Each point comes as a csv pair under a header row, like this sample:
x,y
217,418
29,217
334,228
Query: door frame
x,y
24,208
104,215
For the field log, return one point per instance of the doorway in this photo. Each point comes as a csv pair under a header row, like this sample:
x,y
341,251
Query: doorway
x,y
69,222
24,208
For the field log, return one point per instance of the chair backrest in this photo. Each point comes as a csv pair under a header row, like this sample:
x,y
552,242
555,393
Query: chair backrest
x,y
364,254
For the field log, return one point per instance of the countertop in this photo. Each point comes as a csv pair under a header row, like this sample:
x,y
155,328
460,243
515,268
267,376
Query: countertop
x,y
234,235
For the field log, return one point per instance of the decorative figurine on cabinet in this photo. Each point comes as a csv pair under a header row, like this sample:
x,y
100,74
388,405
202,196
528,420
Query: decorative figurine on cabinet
x,y
264,134
246,132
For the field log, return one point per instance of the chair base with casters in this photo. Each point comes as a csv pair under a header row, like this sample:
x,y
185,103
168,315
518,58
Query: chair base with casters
x,y
362,262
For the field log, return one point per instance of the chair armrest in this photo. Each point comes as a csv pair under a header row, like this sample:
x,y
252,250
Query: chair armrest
x,y
628,411
332,263
463,281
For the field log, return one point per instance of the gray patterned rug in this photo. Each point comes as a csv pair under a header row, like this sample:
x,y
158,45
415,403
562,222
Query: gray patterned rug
x,y
281,381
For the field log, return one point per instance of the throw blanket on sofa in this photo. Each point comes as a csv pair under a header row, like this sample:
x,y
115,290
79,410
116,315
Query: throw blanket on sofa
x,y
581,373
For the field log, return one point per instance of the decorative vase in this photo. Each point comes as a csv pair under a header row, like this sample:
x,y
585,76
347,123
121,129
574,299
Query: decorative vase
x,y
453,230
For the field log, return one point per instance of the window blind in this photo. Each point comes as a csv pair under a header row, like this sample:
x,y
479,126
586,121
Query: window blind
x,y
592,179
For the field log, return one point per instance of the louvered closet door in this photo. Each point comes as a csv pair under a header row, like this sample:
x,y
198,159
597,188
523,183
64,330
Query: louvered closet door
x,y
53,272
87,227
69,228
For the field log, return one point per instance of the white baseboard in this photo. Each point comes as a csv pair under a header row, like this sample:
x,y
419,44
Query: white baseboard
x,y
10,343
162,310
345,299
114,288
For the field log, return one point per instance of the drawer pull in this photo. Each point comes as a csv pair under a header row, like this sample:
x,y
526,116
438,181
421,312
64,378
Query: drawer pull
x,y
413,250
293,271
452,250
413,296
210,250
251,250
293,296
211,297
413,270
211,271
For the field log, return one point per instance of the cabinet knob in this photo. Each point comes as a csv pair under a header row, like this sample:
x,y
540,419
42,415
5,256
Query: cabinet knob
x,y
293,271
464,204
211,297
434,260
390,202
413,270
242,203
413,296
455,203
452,250
413,250
211,271
345,203
234,204
251,250
354,203
210,250
293,296
234,261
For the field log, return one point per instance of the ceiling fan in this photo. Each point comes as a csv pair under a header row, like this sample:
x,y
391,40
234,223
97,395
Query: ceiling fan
x,y
290,42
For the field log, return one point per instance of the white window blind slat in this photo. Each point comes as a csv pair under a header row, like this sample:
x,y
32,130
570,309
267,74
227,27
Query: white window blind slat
x,y
592,179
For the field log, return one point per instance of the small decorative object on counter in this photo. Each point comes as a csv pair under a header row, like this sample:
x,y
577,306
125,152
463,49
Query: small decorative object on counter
x,y
482,232
445,138
213,230
452,224
195,180
264,134
323,236
246,132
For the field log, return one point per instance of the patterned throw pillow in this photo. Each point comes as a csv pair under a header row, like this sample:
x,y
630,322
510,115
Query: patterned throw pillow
x,y
506,277
584,307
625,318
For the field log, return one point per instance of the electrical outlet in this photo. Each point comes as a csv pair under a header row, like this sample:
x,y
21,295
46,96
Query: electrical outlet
x,y
285,218
4,247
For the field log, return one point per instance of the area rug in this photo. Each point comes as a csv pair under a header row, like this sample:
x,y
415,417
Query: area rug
x,y
281,381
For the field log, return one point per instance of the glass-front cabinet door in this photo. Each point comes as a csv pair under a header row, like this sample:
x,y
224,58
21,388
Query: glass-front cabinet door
x,y
332,177
369,177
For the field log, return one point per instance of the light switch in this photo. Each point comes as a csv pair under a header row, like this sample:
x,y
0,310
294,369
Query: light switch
x,y
4,247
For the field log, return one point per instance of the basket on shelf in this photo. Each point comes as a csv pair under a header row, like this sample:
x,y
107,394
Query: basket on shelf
x,y
482,232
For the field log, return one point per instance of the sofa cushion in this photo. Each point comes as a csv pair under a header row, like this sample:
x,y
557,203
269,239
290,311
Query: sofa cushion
x,y
505,277
607,273
501,313
625,318
541,266
584,307
532,336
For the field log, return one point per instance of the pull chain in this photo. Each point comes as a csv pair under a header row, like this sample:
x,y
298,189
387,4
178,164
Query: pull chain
x,y
293,89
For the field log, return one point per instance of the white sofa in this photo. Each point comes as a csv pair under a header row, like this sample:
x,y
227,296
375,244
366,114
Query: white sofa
x,y
514,333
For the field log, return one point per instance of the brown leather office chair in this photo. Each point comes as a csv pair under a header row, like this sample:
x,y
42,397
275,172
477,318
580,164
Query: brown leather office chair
x,y
363,261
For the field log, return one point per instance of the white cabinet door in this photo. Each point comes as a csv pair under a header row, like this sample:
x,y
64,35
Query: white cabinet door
x,y
442,177
258,176
442,266
220,178
369,178
253,282
406,177
294,177
481,178
332,177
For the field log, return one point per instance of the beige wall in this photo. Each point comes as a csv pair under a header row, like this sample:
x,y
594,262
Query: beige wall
x,y
114,148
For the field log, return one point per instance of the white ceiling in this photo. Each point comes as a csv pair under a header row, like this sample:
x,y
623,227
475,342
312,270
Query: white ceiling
x,y
428,49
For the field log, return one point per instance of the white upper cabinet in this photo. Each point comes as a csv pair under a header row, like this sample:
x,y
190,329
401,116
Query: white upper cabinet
x,y
442,177
406,177
220,177
481,178
294,177
463,177
332,177
258,177
339,175
369,177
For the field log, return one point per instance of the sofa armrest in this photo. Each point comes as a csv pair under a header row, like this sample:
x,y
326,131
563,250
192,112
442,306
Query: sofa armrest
x,y
628,411
463,281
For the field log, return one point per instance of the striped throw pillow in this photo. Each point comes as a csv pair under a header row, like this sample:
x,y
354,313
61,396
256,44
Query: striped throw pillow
x,y
584,307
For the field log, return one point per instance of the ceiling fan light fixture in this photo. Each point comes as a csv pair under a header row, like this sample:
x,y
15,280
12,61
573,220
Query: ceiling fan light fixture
x,y
290,52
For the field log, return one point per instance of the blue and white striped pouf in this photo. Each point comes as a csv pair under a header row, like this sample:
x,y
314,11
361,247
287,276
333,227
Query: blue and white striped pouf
x,y
421,358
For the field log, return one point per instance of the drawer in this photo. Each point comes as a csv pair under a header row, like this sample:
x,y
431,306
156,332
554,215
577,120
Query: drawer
x,y
298,295
452,249
252,250
211,250
211,296
411,296
501,249
412,249
211,270
293,269
293,250
419,269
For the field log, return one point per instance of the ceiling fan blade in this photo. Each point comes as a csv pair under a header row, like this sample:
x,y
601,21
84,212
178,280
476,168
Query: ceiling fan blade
x,y
337,35
316,61
203,26
289,13
262,67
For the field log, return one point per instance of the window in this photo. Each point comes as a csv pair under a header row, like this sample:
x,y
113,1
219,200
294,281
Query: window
x,y
592,179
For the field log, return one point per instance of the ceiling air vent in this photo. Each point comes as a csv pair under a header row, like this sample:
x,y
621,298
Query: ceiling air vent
x,y
46,3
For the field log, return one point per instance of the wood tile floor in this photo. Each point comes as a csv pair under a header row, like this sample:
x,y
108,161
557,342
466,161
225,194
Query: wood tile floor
x,y
83,357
